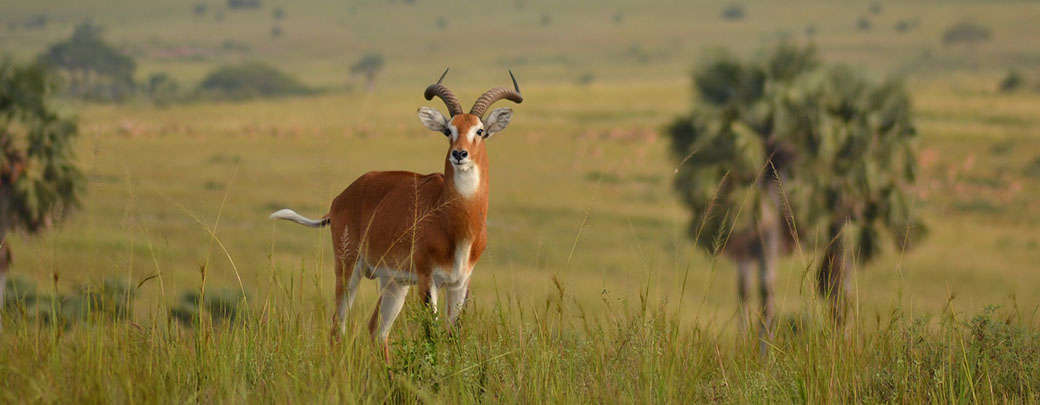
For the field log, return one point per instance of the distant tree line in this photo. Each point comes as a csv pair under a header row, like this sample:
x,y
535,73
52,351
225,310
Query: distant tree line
x,y
93,69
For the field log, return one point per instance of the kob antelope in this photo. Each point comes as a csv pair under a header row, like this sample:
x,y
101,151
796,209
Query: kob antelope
x,y
411,229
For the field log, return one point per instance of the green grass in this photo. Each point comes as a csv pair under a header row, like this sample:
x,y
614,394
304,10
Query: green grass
x,y
642,315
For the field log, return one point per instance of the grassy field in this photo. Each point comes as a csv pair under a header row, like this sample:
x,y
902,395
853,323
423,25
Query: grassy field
x,y
589,290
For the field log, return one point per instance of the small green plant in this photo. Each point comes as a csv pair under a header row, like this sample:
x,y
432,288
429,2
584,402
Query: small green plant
x,y
1011,82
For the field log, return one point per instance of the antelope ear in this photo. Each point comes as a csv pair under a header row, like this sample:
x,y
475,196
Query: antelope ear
x,y
433,120
497,121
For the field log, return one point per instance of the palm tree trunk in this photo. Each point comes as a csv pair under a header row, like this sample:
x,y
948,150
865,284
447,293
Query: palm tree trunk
x,y
743,290
831,279
768,255
5,248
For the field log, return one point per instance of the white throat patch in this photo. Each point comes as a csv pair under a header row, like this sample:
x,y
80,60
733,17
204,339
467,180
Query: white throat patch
x,y
467,181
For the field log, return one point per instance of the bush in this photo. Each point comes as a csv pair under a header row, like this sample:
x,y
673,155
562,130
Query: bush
x,y
96,70
1013,81
108,300
733,12
965,33
223,306
278,13
863,24
163,89
904,25
243,4
618,18
251,80
1032,169
199,9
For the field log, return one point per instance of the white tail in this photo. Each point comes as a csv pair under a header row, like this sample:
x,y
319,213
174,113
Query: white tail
x,y
290,215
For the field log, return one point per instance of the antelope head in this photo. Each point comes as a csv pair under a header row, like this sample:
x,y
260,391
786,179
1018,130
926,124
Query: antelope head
x,y
467,132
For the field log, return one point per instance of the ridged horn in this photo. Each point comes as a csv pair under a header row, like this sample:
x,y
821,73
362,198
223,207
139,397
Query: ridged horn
x,y
438,89
495,94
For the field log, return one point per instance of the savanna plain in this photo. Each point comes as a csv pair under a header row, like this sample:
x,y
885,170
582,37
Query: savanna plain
x,y
590,289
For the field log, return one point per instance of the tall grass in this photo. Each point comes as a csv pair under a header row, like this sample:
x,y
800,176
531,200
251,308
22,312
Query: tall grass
x,y
511,351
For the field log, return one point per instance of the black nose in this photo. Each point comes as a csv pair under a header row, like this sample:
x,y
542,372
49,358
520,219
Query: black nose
x,y
459,154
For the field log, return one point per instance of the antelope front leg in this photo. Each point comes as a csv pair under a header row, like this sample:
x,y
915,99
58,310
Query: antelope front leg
x,y
455,297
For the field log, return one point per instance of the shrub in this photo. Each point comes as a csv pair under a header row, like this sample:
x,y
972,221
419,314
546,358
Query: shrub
x,y
618,18
163,89
199,9
251,80
243,4
96,70
108,300
278,13
224,306
733,12
1011,82
19,295
965,33
863,24
904,26
1032,169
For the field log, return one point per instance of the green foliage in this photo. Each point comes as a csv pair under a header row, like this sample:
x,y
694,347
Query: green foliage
x,y
1011,82
965,32
243,4
250,80
842,145
19,295
39,180
368,64
1032,169
223,306
863,23
733,12
110,299
725,143
163,89
95,69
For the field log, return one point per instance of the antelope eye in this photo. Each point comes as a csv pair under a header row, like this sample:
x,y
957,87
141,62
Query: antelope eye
x,y
447,132
480,131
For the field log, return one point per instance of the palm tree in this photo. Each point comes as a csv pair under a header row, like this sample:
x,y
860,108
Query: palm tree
x,y
860,153
735,154
841,146
39,181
